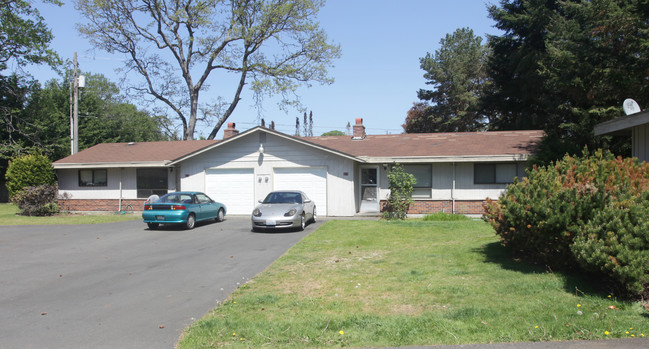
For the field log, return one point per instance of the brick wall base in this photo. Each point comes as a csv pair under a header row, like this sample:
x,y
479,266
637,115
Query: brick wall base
x,y
99,205
435,206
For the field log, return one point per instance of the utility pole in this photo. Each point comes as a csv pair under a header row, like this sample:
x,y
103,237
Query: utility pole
x,y
77,81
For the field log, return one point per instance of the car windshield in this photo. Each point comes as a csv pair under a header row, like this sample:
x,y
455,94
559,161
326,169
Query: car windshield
x,y
283,198
176,199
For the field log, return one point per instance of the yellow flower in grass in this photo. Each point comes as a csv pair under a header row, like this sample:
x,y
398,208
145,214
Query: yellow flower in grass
x,y
606,333
341,332
578,305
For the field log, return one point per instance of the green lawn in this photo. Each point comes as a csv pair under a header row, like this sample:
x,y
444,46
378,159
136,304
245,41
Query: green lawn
x,y
9,216
373,284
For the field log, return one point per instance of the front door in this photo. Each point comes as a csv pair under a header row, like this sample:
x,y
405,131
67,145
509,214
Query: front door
x,y
369,190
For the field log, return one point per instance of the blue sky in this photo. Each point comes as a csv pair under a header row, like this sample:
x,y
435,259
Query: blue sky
x,y
376,78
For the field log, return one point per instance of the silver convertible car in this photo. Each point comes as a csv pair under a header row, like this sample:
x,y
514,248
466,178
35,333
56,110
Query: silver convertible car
x,y
284,209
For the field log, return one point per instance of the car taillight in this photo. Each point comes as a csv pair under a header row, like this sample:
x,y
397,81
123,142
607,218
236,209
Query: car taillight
x,y
177,207
147,207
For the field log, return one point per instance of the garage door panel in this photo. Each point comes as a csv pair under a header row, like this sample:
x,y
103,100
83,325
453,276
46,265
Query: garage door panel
x,y
312,181
233,187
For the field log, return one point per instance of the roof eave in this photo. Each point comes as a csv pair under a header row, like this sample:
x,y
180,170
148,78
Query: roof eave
x,y
63,166
446,159
622,125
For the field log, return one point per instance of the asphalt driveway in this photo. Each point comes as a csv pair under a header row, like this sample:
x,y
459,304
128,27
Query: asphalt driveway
x,y
120,285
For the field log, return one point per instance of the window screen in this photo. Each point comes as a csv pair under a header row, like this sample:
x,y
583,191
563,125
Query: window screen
x,y
151,181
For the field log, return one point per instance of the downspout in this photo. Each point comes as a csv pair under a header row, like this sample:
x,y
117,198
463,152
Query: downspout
x,y
121,171
453,190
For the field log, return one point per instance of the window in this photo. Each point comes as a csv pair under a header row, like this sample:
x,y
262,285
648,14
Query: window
x,y
424,176
93,178
493,173
151,181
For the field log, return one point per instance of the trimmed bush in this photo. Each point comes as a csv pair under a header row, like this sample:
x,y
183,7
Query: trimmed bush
x,y
540,217
28,171
37,201
615,244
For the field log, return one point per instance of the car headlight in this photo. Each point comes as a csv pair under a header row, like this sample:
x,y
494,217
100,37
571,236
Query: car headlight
x,y
256,213
290,212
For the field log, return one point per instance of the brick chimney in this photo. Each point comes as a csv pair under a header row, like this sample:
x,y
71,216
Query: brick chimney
x,y
359,129
230,131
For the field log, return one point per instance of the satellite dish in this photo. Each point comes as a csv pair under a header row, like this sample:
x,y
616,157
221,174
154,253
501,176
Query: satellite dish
x,y
630,106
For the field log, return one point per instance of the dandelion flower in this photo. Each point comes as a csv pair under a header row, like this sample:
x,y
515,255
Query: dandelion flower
x,y
536,326
606,333
234,334
578,305
341,332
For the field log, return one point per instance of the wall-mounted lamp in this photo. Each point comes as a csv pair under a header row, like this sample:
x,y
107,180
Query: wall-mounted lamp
x,y
385,167
261,148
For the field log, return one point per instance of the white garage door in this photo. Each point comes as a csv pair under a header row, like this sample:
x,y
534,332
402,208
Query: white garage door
x,y
312,181
233,187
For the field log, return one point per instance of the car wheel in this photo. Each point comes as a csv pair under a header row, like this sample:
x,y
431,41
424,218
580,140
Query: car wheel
x,y
220,215
315,217
302,222
191,221
153,226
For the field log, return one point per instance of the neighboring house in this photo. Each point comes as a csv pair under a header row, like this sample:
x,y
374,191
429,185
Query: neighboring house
x,y
344,175
634,125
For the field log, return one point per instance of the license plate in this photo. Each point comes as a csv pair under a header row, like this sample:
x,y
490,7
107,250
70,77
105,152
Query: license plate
x,y
271,222
160,218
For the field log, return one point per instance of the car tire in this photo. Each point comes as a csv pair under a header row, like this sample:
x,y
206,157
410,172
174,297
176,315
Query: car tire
x,y
220,215
315,217
153,226
191,222
302,222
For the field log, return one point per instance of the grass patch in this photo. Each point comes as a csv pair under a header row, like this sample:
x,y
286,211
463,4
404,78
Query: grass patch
x,y
441,216
378,283
9,216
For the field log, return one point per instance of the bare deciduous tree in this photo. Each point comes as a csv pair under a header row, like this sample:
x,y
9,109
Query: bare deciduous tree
x,y
274,46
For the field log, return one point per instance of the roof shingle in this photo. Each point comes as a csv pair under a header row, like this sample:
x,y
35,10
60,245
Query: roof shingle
x,y
136,152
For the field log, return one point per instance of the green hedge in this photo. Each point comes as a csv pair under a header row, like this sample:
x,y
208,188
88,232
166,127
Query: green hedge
x,y
28,171
552,216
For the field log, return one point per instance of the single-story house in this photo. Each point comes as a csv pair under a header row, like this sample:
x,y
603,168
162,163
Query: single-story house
x,y
344,175
636,126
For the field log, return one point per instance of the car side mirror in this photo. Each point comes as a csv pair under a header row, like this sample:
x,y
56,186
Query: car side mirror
x,y
260,201
307,201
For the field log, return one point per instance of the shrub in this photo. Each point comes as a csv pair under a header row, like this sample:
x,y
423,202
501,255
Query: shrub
x,y
540,216
401,186
27,171
37,201
615,244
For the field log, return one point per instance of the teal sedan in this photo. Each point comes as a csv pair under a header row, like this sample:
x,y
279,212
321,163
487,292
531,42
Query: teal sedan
x,y
183,208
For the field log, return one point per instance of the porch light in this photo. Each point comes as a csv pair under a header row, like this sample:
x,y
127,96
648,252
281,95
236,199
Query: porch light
x,y
261,148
